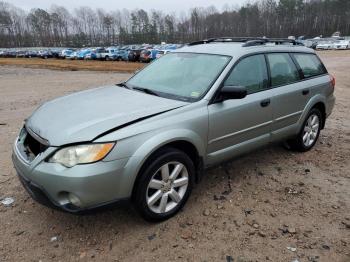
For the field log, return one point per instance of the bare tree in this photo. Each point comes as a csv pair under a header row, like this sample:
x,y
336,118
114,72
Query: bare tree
x,y
89,27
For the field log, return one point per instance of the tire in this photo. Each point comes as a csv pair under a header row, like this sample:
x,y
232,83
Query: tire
x,y
309,132
163,198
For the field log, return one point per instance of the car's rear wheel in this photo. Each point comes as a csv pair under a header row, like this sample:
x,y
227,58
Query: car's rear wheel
x,y
309,132
164,184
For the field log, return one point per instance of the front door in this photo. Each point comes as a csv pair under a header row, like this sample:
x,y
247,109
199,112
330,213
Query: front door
x,y
239,125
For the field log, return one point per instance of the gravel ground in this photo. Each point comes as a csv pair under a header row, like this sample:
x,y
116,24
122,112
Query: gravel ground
x,y
270,205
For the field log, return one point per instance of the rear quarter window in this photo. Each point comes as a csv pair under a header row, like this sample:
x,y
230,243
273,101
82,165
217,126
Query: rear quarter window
x,y
310,64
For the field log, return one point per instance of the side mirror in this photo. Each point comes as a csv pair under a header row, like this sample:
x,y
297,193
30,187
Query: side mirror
x,y
232,92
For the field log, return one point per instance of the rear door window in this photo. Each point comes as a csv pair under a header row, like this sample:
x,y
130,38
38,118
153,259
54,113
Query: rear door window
x,y
251,73
309,64
282,69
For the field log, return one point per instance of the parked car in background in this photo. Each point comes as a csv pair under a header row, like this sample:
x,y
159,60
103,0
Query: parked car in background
x,y
307,43
8,54
122,55
72,56
314,44
82,53
92,55
20,54
56,53
45,54
161,53
30,54
341,44
109,53
134,55
65,52
146,56
324,45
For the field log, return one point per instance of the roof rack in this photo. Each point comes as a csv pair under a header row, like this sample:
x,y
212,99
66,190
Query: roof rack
x,y
247,41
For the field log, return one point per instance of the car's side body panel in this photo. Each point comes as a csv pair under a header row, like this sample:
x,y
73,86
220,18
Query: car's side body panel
x,y
233,122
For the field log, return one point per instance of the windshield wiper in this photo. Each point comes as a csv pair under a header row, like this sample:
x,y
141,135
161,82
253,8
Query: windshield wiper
x,y
146,90
123,84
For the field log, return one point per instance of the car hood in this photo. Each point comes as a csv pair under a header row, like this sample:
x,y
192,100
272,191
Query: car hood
x,y
83,116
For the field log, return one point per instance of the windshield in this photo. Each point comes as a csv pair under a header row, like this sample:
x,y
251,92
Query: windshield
x,y
183,76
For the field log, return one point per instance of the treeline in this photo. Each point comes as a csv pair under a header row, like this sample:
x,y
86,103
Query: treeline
x,y
88,27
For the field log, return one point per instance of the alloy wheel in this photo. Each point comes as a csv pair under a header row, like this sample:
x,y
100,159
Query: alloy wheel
x,y
167,187
311,130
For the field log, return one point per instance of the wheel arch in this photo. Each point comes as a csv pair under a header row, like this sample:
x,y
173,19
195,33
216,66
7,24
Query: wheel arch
x,y
318,102
321,106
193,147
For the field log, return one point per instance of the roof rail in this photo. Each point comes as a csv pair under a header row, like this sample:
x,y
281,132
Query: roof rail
x,y
225,39
247,41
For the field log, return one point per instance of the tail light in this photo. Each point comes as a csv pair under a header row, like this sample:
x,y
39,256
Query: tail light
x,y
332,81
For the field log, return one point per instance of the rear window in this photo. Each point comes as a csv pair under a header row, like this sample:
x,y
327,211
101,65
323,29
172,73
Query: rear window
x,y
282,68
310,65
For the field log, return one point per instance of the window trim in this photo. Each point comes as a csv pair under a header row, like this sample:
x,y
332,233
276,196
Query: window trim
x,y
265,53
266,85
221,85
300,71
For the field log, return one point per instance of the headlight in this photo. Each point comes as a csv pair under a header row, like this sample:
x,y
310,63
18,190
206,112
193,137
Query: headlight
x,y
81,154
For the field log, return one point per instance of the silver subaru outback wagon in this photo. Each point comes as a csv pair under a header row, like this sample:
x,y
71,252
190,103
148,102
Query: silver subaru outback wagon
x,y
150,138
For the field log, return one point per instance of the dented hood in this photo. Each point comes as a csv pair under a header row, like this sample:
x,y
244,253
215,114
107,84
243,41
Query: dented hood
x,y
83,116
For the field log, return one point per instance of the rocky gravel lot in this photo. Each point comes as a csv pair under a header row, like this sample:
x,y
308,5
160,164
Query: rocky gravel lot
x,y
270,205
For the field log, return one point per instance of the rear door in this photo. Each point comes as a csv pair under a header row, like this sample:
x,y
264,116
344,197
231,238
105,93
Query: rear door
x,y
293,91
239,125
290,94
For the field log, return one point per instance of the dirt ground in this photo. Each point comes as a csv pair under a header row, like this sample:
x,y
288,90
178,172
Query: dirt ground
x,y
73,65
270,205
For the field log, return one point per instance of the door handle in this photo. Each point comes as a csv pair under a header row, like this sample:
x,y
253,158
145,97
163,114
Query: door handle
x,y
305,92
265,102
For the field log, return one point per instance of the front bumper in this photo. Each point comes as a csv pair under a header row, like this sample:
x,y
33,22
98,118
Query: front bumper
x,y
94,185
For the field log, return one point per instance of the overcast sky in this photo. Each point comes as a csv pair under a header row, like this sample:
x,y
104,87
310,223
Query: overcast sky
x,y
165,5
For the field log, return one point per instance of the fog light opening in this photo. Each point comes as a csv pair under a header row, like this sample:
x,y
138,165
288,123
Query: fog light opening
x,y
74,200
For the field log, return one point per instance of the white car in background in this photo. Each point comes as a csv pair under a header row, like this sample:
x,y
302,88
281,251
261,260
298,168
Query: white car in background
x,y
161,53
107,54
341,44
72,56
325,45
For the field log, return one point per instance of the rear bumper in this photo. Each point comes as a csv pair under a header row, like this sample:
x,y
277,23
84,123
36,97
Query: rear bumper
x,y
330,105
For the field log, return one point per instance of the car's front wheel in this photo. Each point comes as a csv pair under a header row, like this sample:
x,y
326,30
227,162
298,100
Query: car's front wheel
x,y
164,184
309,132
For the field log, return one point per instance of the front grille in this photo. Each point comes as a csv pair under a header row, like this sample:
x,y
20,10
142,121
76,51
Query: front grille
x,y
33,147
